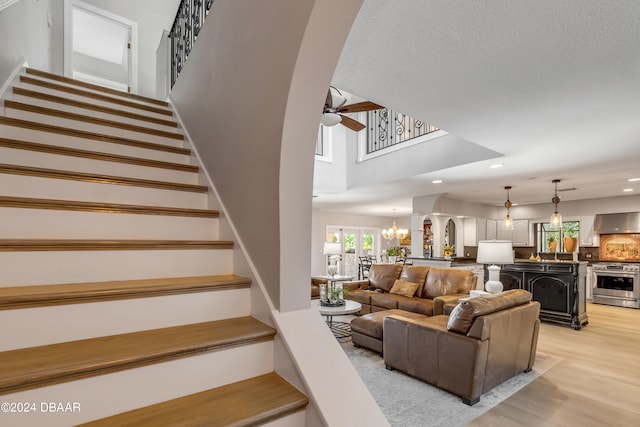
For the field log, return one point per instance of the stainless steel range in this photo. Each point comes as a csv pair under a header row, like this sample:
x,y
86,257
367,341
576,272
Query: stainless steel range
x,y
617,284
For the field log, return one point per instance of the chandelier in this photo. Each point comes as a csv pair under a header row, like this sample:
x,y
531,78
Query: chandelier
x,y
394,231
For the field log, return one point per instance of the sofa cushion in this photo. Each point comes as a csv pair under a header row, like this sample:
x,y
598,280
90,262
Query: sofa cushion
x,y
372,324
416,274
382,276
416,305
447,281
360,295
406,289
385,300
465,313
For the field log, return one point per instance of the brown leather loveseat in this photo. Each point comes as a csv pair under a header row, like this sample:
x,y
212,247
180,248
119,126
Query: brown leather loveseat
x,y
386,288
484,342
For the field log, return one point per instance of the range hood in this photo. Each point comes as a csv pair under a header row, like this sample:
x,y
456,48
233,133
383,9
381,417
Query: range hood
x,y
618,223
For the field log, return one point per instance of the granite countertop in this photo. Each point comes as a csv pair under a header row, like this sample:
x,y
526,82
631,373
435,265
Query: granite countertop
x,y
454,260
546,261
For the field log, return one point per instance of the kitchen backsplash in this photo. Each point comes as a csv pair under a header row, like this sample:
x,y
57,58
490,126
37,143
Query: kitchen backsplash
x,y
620,247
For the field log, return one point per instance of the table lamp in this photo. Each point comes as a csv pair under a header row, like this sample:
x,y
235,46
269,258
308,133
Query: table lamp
x,y
333,250
494,252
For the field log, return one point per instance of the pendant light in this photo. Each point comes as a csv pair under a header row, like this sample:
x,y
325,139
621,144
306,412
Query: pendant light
x,y
555,222
508,222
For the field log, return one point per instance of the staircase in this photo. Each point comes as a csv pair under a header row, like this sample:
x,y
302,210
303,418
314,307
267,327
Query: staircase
x,y
118,301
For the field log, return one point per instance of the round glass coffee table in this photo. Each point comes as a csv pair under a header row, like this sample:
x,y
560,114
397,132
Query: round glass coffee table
x,y
339,329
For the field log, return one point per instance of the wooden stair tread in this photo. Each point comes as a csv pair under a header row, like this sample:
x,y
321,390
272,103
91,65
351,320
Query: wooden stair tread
x,y
87,85
26,124
72,205
75,293
93,95
102,179
92,107
246,403
108,245
89,119
94,155
55,363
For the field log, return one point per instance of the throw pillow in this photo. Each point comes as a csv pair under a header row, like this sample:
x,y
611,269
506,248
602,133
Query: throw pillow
x,y
406,289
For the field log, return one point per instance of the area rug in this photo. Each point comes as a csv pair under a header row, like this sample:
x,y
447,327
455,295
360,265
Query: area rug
x,y
409,402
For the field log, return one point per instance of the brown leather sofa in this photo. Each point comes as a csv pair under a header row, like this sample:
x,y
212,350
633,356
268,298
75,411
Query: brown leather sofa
x,y
484,342
436,287
315,286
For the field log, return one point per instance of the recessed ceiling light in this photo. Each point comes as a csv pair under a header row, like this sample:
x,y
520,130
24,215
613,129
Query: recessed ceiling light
x,y
626,190
436,181
497,165
633,179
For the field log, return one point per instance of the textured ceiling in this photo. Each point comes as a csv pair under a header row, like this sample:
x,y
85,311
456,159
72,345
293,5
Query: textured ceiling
x,y
552,85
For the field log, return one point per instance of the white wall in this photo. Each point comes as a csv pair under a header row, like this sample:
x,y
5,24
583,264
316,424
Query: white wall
x,y
25,34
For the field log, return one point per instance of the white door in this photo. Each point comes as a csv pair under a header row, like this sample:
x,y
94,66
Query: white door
x,y
100,47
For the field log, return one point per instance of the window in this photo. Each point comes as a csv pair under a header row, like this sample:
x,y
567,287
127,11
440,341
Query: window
x,y
552,240
356,242
323,144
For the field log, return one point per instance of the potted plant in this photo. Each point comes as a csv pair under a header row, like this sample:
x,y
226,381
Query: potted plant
x,y
448,250
570,231
393,253
553,245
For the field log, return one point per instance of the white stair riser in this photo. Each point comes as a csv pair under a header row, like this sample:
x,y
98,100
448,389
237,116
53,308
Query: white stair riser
x,y
19,223
81,98
80,164
123,391
82,321
90,127
50,267
21,134
296,419
114,96
63,189
25,99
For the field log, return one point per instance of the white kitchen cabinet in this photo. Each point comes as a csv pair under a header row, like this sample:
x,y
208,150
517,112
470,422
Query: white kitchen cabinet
x,y
587,235
475,229
501,233
520,235
491,229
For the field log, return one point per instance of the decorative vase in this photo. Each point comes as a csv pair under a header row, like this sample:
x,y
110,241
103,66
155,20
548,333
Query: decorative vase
x,y
392,259
570,244
553,246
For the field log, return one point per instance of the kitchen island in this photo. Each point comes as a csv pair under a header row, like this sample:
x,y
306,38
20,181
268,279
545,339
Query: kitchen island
x,y
559,286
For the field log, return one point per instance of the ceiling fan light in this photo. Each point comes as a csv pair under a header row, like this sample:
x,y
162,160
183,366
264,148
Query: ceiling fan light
x,y
330,119
337,100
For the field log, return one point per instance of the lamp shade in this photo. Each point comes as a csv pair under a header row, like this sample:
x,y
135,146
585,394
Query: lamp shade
x,y
495,252
330,119
332,248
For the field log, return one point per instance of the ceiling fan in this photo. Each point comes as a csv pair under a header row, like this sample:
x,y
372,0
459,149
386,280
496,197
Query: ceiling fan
x,y
334,106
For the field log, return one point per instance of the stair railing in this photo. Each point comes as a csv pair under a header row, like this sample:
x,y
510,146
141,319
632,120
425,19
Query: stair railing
x,y
184,32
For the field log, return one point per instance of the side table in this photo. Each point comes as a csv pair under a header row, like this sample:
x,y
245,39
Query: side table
x,y
339,329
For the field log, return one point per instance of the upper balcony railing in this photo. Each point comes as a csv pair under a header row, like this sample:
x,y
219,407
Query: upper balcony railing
x,y
387,128
184,32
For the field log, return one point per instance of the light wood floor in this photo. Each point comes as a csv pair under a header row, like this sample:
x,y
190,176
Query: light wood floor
x,y
597,383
